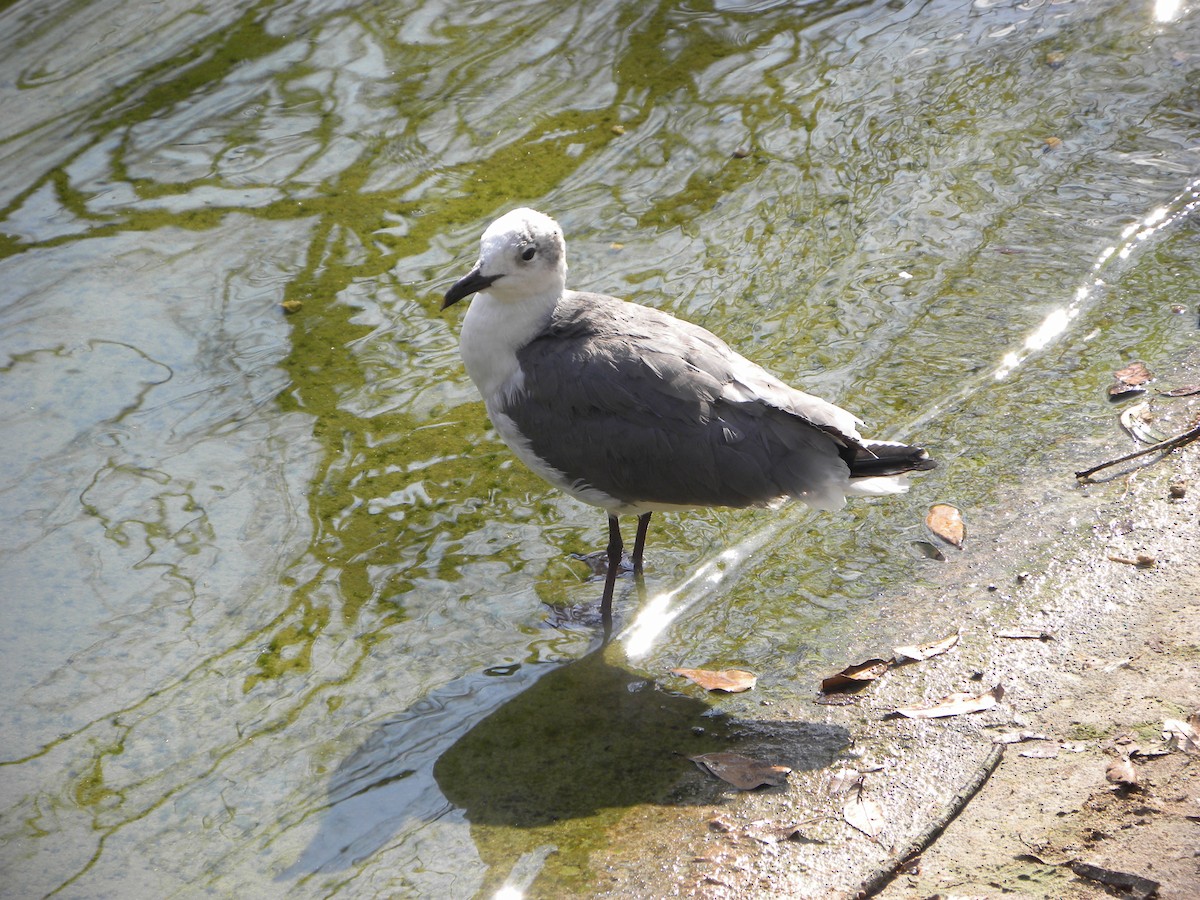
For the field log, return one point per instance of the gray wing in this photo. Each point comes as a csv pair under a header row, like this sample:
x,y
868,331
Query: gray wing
x,y
651,409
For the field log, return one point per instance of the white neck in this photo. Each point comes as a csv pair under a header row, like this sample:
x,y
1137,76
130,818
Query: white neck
x,y
494,329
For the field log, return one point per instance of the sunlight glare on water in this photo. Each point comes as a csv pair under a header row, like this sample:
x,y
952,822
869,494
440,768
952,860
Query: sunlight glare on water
x,y
1057,322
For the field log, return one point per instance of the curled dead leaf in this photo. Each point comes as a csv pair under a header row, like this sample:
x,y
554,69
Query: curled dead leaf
x,y
919,652
954,705
1187,391
1122,773
1129,380
945,522
732,681
1136,420
742,772
853,677
1183,736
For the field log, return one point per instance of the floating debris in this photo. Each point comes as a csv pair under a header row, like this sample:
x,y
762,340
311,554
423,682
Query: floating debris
x,y
742,772
731,681
1131,380
945,522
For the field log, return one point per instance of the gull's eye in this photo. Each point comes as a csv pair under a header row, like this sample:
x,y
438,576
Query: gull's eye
x,y
528,254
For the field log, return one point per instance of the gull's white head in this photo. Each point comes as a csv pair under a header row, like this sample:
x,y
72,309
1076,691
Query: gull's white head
x,y
521,255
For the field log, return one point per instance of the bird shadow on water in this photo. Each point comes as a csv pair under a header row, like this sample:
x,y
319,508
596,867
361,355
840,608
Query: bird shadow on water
x,y
549,769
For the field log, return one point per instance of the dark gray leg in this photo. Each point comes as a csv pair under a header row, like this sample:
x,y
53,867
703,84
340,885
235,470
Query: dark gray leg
x,y
615,547
639,543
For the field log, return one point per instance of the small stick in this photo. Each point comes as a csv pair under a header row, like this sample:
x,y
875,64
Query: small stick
x,y
1161,447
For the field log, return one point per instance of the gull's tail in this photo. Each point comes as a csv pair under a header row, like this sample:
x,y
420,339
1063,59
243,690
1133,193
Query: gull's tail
x,y
880,467
881,458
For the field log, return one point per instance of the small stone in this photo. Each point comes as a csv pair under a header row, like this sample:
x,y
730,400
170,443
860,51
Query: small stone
x,y
1177,490
618,130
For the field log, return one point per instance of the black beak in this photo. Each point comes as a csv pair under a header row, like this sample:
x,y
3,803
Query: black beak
x,y
469,284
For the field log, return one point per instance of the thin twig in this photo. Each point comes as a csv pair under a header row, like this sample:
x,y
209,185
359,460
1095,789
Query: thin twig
x,y
1161,447
884,876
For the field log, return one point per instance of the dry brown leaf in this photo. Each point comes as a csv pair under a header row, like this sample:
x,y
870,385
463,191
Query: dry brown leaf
x,y
742,772
864,814
920,652
954,705
1130,380
1184,736
1122,773
1182,391
855,676
946,523
732,681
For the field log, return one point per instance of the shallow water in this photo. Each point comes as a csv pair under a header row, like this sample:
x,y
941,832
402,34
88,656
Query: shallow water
x,y
283,616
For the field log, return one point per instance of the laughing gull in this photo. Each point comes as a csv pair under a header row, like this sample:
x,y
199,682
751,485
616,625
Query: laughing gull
x,y
633,410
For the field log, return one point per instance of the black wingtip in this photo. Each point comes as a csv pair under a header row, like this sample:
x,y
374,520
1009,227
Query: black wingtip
x,y
879,458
